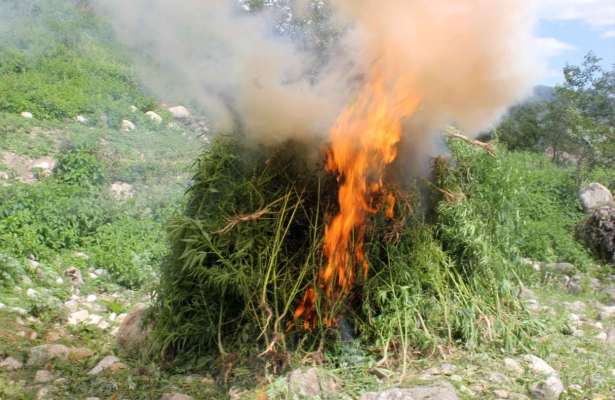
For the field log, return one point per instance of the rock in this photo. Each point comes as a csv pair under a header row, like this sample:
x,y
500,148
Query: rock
x,y
610,336
75,276
40,355
513,366
10,364
497,377
104,364
43,376
562,268
79,353
602,336
550,389
43,393
122,191
595,195
154,117
526,294
133,109
127,126
27,115
440,391
179,112
310,383
31,293
598,232
501,394
538,365
175,396
81,119
78,317
133,330
606,312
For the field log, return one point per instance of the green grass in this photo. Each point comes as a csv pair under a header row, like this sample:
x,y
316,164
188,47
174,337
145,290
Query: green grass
x,y
58,61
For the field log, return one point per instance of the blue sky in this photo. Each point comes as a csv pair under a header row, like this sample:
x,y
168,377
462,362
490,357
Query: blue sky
x,y
570,28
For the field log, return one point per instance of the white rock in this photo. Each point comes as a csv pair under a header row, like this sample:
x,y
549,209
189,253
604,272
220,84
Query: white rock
x,y
179,112
31,293
133,109
91,298
59,281
122,191
81,119
175,396
606,312
10,364
103,325
513,366
43,393
104,364
112,317
40,355
99,271
95,319
154,117
442,391
550,389
78,317
127,126
27,115
43,376
538,365
602,336
595,195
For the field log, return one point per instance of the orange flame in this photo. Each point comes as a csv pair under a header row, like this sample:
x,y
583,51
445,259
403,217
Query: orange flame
x,y
363,142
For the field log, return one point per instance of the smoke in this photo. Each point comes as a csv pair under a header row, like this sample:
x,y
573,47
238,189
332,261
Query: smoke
x,y
468,60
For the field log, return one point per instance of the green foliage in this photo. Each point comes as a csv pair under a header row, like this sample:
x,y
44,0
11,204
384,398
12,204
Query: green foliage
x,y
524,203
79,166
11,270
578,119
58,61
128,249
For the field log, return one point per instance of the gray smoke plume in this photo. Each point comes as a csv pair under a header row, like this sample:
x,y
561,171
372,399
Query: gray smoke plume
x,y
268,73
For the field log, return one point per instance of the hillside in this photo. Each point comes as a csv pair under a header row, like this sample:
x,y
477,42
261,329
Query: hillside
x,y
106,191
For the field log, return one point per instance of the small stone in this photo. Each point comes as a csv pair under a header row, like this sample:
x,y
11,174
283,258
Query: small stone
x,y
81,119
133,109
154,117
175,396
91,298
447,369
127,126
526,294
42,393
59,281
606,312
497,377
78,317
179,112
538,365
99,271
575,388
80,353
104,364
122,191
456,378
75,276
43,376
40,355
31,293
602,336
550,389
10,364
501,394
27,115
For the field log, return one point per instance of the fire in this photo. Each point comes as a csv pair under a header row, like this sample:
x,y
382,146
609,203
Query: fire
x,y
363,142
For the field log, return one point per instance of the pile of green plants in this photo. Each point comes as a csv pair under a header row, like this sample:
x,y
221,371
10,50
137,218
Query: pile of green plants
x,y
248,245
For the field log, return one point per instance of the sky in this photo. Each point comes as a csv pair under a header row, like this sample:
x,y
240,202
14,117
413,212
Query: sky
x,y
570,28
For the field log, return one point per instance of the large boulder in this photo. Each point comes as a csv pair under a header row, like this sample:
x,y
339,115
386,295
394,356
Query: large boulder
x,y
598,231
179,112
595,195
133,330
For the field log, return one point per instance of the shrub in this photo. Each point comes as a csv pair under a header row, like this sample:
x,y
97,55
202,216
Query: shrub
x,y
129,249
79,166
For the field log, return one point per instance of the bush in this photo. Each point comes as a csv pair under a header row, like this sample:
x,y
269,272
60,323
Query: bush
x,y
79,166
129,249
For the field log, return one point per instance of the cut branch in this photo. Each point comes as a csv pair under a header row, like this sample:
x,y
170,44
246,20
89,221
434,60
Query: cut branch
x,y
455,134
